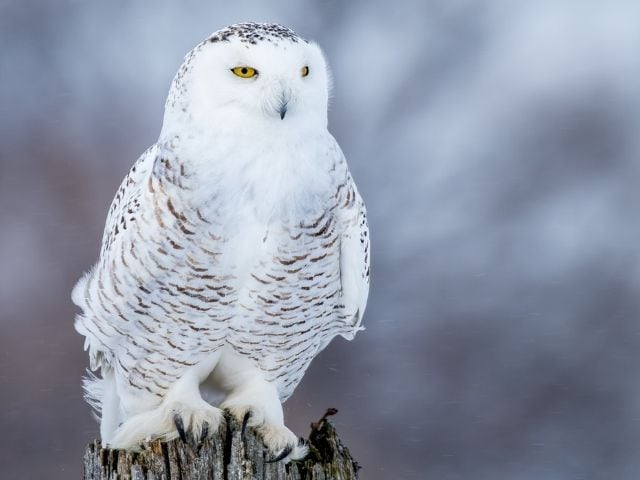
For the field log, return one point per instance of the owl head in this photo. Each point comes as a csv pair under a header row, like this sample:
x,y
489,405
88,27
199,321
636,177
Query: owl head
x,y
247,76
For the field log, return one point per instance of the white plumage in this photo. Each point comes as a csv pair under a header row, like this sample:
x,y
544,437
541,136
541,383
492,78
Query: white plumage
x,y
235,249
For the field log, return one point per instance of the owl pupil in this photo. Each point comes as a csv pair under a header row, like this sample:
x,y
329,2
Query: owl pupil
x,y
244,71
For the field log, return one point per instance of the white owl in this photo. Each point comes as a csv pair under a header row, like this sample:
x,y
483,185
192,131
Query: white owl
x,y
235,249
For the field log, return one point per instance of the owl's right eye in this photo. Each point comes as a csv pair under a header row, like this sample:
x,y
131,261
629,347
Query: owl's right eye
x,y
244,72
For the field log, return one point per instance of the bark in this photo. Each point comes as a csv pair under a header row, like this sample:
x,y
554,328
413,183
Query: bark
x,y
225,455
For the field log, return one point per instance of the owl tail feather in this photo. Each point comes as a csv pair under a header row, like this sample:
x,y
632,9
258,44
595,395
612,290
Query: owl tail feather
x,y
93,388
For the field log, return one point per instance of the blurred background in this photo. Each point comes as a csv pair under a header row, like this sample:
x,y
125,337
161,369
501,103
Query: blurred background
x,y
497,145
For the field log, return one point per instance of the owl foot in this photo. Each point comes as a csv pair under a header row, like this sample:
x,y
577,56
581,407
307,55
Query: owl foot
x,y
204,429
189,421
281,442
193,423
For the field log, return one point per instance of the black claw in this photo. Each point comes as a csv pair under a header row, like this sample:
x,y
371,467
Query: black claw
x,y
177,419
283,454
245,420
205,432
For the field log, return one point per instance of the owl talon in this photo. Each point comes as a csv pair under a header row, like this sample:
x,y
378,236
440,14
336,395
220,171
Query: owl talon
x,y
205,432
245,420
177,419
283,454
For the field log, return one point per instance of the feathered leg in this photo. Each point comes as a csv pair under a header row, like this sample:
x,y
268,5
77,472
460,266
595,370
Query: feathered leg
x,y
181,410
255,402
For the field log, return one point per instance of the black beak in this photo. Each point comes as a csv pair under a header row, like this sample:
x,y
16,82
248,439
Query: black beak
x,y
284,102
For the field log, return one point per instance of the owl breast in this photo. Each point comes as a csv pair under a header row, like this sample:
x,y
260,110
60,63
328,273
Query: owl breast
x,y
283,299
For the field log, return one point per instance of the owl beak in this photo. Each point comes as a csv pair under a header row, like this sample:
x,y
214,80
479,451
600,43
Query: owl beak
x,y
283,103
283,108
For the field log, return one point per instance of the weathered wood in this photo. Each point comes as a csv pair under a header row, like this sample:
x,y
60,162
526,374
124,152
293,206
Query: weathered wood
x,y
223,456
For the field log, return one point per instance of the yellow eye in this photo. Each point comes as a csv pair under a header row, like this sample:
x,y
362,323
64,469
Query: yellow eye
x,y
304,71
244,72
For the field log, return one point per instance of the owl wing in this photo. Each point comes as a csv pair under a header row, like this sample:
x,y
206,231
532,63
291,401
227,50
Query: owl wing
x,y
126,201
95,288
354,254
138,308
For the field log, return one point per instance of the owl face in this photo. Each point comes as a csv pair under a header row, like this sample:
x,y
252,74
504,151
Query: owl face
x,y
264,80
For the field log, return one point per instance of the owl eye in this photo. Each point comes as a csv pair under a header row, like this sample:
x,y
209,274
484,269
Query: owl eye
x,y
304,71
244,72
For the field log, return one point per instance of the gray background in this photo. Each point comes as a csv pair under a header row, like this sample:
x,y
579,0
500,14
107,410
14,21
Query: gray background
x,y
497,146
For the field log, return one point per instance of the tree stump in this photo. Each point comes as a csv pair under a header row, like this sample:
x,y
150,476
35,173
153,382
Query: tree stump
x,y
226,455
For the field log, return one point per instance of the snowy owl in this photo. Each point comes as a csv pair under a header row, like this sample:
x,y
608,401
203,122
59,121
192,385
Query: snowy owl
x,y
234,250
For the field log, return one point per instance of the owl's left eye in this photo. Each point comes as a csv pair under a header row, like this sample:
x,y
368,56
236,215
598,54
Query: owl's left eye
x,y
244,72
